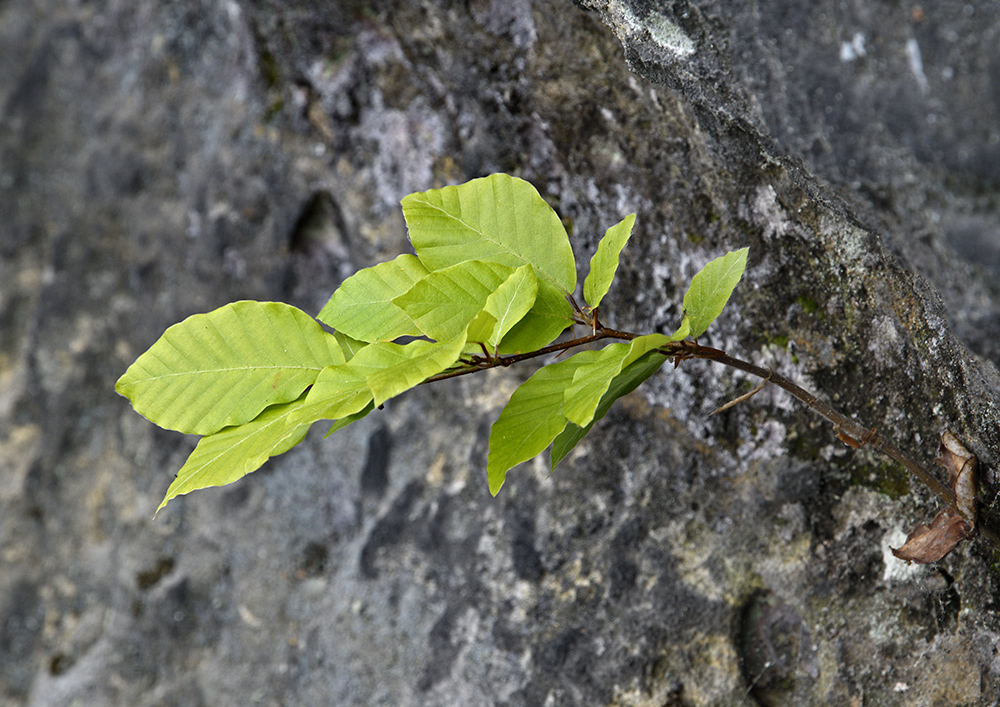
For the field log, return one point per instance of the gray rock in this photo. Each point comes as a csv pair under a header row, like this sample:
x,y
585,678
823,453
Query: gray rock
x,y
159,159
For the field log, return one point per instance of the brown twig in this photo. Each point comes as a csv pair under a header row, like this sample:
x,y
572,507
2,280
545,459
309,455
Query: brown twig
x,y
481,363
845,426
848,430
746,396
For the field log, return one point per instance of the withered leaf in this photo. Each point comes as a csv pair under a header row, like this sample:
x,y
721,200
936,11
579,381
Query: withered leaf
x,y
930,543
961,466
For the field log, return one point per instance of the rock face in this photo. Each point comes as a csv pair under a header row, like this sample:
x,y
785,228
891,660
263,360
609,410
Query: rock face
x,y
159,159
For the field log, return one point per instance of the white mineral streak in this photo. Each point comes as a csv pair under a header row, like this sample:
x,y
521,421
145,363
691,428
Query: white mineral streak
x,y
661,29
916,64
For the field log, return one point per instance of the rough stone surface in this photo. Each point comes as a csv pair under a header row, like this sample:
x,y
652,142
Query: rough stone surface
x,y
159,159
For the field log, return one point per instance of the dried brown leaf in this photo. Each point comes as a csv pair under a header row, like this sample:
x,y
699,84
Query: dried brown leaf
x,y
961,466
929,543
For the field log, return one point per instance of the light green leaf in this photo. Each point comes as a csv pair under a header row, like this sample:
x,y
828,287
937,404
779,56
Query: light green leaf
x,y
393,369
443,303
683,331
348,345
339,391
234,452
362,306
223,368
377,372
510,302
604,264
532,418
711,288
480,330
547,319
591,382
345,421
624,383
498,218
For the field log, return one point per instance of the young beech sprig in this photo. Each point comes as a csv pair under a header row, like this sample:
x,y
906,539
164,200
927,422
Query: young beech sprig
x,y
491,283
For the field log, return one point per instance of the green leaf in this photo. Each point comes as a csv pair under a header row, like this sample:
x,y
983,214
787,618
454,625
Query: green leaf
x,y
480,330
345,421
348,345
443,303
362,306
604,264
498,218
339,391
591,382
710,289
532,418
394,368
375,374
510,302
548,318
683,331
223,368
234,452
624,383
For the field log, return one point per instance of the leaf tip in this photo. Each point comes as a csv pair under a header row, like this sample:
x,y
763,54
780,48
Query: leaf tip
x,y
496,482
496,472
166,499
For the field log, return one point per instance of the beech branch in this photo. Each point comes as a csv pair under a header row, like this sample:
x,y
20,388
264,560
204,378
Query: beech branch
x,y
848,430
482,363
